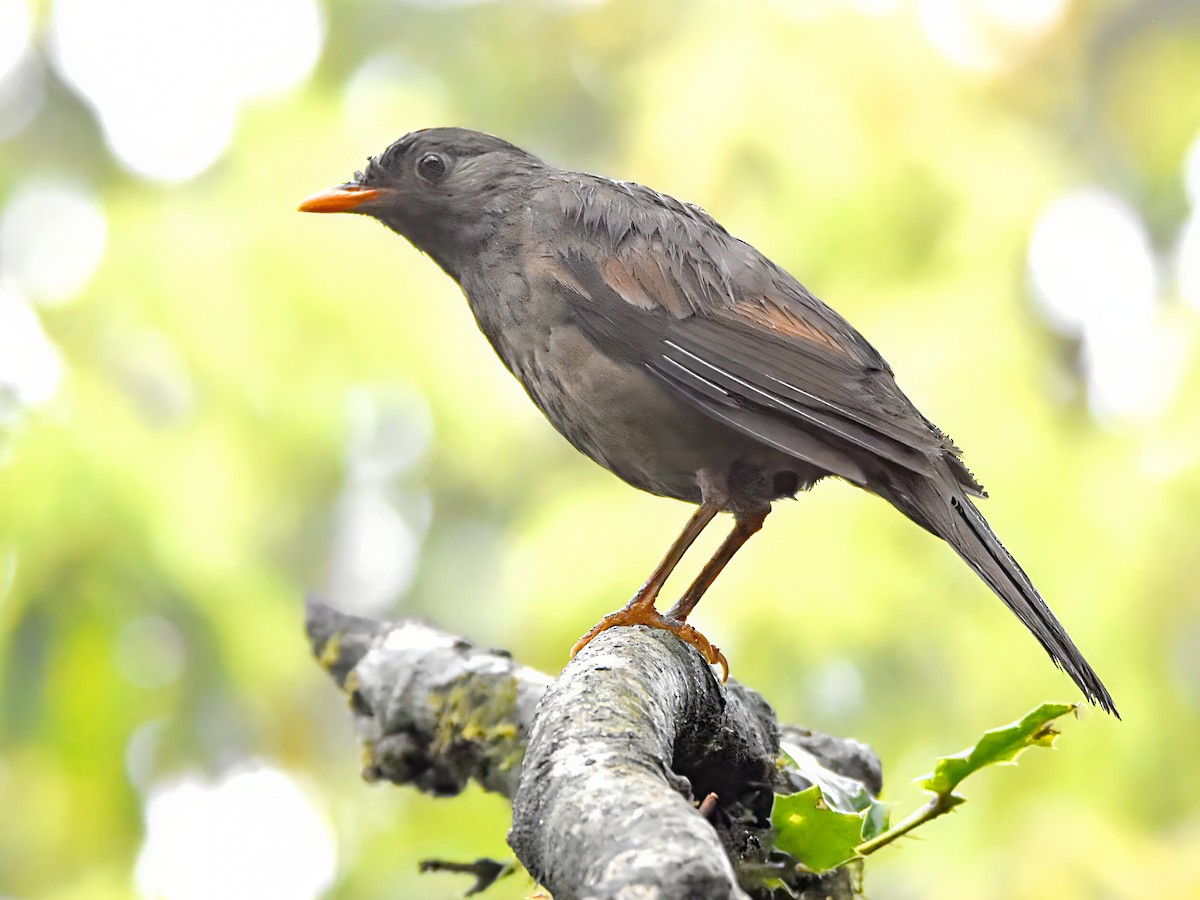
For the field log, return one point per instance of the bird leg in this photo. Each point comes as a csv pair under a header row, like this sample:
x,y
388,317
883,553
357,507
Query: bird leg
x,y
648,592
745,526
640,610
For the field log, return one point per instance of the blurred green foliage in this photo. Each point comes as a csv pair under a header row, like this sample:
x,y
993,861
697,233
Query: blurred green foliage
x,y
162,517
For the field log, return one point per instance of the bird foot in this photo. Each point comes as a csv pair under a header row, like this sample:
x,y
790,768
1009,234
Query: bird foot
x,y
645,614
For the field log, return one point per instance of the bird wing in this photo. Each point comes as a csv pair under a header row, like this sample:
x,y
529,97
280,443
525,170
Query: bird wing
x,y
662,285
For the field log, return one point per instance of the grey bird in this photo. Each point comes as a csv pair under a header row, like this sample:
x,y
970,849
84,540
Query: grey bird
x,y
679,358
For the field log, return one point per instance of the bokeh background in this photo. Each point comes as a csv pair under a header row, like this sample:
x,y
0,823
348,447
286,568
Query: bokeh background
x,y
210,404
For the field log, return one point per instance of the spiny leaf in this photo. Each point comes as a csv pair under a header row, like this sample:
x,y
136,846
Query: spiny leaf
x,y
818,835
999,746
843,793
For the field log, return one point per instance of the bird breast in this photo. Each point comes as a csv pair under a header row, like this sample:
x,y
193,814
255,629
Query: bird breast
x,y
612,410
625,419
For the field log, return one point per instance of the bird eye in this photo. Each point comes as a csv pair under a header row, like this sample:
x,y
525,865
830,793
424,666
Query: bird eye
x,y
431,166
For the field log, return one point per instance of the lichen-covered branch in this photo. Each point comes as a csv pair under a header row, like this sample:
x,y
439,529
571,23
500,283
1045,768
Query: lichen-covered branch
x,y
430,709
636,773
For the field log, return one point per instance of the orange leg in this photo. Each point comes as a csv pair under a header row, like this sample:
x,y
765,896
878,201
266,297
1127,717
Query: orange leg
x,y
640,610
745,527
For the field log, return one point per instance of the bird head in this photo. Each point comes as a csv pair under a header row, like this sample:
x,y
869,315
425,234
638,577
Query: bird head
x,y
444,189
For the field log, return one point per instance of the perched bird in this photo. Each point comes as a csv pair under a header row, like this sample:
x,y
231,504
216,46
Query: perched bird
x,y
679,358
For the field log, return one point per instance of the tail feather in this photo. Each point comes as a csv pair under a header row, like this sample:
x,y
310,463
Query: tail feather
x,y
965,529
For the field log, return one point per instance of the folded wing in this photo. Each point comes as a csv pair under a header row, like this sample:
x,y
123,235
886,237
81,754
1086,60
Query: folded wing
x,y
665,287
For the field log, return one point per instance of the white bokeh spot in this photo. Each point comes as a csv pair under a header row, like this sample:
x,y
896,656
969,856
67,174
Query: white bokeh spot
x,y
986,35
31,368
15,25
1094,275
1090,262
52,238
380,520
166,79
249,835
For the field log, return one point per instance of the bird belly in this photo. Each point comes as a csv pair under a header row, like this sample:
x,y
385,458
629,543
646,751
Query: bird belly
x,y
627,421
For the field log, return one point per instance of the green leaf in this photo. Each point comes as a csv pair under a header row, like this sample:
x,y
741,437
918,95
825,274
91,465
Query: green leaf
x,y
875,820
818,835
843,793
999,746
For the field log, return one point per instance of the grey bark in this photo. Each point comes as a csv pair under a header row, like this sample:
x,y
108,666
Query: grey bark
x,y
605,765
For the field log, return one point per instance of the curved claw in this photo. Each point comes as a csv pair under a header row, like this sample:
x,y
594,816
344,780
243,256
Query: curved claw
x,y
708,650
649,616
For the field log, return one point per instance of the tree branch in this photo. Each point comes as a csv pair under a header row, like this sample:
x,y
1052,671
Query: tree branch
x,y
605,765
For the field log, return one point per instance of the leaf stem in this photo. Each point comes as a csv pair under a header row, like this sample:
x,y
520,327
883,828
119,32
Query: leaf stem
x,y
938,805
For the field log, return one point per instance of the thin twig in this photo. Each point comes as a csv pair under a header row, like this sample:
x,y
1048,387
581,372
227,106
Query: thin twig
x,y
938,805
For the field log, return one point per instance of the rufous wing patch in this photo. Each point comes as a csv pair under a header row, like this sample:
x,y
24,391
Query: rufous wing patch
x,y
638,277
768,314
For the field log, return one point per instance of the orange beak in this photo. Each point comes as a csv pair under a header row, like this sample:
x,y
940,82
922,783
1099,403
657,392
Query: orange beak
x,y
343,198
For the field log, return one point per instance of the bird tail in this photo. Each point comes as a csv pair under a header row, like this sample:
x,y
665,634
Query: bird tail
x,y
948,513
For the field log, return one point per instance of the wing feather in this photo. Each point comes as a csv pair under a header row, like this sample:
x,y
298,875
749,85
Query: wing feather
x,y
662,285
